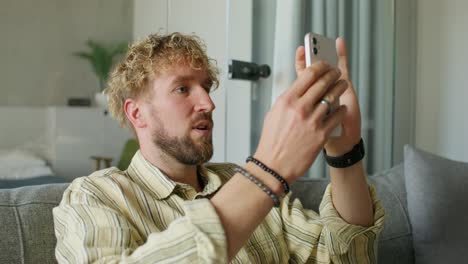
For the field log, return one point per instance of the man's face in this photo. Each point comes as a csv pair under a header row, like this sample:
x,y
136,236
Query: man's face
x,y
180,111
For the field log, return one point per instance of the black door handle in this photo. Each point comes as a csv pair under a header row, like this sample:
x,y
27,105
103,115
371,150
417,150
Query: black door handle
x,y
243,70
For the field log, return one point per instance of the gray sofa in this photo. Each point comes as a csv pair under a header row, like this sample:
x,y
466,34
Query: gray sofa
x,y
27,229
27,233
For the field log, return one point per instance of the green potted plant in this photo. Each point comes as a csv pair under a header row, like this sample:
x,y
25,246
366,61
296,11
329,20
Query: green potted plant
x,y
102,58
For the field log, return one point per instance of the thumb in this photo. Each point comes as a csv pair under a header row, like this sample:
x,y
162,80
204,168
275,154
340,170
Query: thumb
x,y
342,57
300,59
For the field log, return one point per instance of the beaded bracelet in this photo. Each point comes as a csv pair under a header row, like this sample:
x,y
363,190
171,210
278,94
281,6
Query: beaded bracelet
x,y
260,184
270,171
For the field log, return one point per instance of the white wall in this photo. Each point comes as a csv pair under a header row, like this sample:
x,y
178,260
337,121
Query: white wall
x,y
37,42
149,16
24,128
76,134
442,78
66,137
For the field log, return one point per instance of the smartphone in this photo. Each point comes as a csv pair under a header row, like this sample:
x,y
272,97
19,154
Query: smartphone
x,y
317,48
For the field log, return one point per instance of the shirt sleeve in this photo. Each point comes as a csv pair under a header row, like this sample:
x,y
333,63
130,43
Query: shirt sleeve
x,y
327,238
89,232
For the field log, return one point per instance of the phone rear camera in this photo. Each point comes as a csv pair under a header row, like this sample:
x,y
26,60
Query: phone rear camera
x,y
314,40
315,51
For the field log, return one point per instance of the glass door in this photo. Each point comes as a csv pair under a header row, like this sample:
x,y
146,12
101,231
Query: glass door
x,y
250,50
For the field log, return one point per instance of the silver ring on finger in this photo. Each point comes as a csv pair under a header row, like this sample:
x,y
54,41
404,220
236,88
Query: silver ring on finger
x,y
329,106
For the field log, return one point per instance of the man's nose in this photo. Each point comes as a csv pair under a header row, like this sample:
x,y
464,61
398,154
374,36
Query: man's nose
x,y
204,102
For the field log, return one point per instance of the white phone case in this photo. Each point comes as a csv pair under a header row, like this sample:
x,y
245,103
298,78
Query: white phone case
x,y
318,47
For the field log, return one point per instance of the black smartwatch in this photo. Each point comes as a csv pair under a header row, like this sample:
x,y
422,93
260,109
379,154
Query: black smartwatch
x,y
348,159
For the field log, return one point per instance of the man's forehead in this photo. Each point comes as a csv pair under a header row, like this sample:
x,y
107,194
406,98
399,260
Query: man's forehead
x,y
182,73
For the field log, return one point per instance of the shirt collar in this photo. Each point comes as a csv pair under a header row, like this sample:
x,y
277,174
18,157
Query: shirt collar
x,y
154,180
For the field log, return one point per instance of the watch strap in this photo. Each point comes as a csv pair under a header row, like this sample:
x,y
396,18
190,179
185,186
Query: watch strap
x,y
348,159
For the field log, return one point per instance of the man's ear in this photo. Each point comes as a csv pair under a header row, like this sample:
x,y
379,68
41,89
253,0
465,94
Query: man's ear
x,y
135,114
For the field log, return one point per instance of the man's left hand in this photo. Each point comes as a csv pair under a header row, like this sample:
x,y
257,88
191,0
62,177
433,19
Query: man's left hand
x,y
351,126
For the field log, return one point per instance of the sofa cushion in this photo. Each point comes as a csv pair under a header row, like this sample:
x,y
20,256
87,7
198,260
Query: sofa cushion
x,y
437,203
9,184
27,228
395,242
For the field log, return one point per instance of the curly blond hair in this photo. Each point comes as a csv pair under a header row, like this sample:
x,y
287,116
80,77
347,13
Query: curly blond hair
x,y
153,55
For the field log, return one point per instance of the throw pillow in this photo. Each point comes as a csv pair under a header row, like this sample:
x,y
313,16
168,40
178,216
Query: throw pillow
x,y
437,206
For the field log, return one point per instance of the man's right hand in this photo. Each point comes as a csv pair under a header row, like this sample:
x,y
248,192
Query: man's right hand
x,y
297,126
294,132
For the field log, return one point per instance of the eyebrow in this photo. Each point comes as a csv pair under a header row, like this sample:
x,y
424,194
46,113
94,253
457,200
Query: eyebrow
x,y
181,79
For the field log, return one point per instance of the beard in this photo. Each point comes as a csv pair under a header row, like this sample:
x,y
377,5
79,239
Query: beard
x,y
184,149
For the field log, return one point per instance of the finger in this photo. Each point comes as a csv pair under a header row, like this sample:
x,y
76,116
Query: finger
x,y
334,119
300,59
320,111
342,57
320,88
336,91
308,77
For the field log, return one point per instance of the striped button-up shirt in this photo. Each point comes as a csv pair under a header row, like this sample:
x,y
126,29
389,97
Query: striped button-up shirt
x,y
141,216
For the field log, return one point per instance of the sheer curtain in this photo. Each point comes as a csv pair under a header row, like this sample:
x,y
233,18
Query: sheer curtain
x,y
368,28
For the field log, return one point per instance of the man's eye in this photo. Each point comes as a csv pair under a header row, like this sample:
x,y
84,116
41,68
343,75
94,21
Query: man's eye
x,y
207,88
181,90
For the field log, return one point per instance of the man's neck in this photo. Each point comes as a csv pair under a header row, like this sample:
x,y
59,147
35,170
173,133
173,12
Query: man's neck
x,y
172,168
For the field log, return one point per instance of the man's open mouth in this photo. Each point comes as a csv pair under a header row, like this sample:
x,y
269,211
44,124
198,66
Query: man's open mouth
x,y
203,125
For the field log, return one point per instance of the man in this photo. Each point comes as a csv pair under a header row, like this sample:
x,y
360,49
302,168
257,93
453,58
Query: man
x,y
169,206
